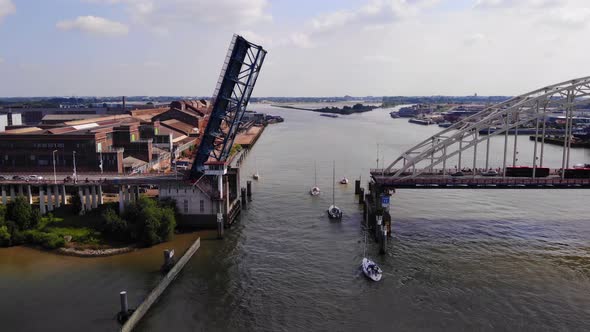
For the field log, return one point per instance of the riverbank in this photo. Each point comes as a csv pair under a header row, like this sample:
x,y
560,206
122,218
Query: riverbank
x,y
345,110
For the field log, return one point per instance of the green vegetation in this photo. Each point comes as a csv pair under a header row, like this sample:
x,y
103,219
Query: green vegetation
x,y
356,108
146,222
235,149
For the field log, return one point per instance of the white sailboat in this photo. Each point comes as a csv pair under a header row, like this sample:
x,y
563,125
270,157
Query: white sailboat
x,y
315,190
334,212
370,268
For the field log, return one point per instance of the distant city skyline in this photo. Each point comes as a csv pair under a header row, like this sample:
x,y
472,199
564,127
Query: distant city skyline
x,y
316,48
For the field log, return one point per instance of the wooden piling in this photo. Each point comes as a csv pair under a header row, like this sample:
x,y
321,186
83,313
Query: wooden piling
x,y
357,187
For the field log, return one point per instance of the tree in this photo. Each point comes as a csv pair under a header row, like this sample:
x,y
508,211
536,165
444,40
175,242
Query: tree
x,y
114,225
76,202
4,236
150,222
20,212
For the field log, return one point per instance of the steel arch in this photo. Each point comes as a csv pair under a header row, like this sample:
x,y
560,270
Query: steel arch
x,y
510,114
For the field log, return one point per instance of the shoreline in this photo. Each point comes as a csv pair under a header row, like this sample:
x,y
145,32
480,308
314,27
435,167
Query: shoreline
x,y
93,253
339,111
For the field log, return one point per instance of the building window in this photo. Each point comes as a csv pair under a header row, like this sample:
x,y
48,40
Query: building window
x,y
99,147
132,137
202,206
186,206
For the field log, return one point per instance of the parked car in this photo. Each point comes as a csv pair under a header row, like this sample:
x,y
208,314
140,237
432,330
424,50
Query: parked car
x,y
35,178
68,179
491,172
3,178
457,174
18,178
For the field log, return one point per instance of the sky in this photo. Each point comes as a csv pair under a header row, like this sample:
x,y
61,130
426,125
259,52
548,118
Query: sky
x,y
315,47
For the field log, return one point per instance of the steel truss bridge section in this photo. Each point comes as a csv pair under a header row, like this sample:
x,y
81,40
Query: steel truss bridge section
x,y
237,80
508,116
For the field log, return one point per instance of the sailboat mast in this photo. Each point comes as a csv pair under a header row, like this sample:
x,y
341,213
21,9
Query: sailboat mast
x,y
333,181
315,174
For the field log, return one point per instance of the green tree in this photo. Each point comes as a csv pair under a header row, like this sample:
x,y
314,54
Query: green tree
x,y
114,225
2,215
150,222
76,202
4,236
20,212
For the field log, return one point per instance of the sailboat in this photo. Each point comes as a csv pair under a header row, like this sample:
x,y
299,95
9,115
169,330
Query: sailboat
x,y
315,190
255,176
334,212
370,268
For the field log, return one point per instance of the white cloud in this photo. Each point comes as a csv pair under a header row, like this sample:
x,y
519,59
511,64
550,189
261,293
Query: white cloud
x,y
6,8
1,60
300,40
380,58
518,3
474,39
255,38
375,13
94,25
161,14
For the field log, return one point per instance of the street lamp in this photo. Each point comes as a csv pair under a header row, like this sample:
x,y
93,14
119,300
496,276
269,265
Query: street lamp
x,y
54,175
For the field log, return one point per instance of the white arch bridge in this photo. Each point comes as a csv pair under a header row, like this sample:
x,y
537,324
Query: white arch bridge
x,y
425,165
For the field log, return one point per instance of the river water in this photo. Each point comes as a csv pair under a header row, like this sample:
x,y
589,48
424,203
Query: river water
x,y
458,259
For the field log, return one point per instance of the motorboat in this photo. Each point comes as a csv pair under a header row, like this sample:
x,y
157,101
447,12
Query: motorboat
x,y
315,190
344,181
255,176
334,212
371,270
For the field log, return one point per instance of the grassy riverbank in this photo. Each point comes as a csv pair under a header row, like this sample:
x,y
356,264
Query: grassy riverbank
x,y
143,224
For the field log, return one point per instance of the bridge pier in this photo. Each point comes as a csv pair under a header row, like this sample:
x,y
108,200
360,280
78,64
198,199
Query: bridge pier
x,y
20,190
100,198
49,199
93,193
4,198
82,201
12,196
121,200
42,207
87,201
56,196
63,196
29,195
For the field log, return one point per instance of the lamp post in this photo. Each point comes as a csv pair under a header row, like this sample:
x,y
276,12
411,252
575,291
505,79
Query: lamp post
x,y
54,175
75,174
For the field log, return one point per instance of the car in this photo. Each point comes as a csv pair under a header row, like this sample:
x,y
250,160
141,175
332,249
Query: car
x,y
35,178
18,178
68,179
457,174
3,178
489,173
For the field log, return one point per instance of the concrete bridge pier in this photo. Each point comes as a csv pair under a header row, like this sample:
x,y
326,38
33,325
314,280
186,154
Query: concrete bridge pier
x,y
121,200
100,198
94,199
56,199
4,198
49,199
20,190
12,196
63,194
42,207
29,195
82,201
87,199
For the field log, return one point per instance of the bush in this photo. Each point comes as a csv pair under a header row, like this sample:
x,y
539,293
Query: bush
x,y
17,238
113,225
149,222
76,202
2,214
46,240
20,212
4,237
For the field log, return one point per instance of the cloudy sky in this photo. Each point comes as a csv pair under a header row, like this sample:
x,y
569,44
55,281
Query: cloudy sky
x,y
316,48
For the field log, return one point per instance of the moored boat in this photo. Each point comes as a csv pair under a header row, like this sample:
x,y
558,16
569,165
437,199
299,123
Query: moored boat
x,y
334,212
371,270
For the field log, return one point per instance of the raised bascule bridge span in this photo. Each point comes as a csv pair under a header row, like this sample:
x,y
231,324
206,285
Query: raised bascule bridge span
x,y
438,161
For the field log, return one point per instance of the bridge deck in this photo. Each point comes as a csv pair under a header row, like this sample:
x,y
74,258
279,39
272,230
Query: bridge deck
x,y
479,182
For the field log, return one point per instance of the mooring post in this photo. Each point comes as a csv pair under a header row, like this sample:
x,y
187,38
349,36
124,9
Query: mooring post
x,y
244,200
383,240
357,187
249,189
361,195
168,260
220,226
124,303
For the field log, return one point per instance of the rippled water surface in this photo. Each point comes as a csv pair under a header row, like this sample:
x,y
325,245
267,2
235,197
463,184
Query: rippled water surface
x,y
458,259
